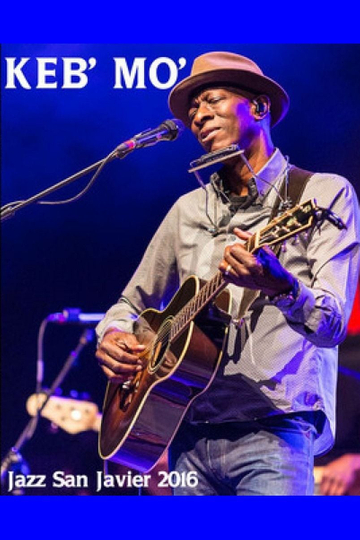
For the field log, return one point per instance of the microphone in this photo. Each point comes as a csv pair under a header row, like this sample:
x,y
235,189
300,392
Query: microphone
x,y
75,316
167,131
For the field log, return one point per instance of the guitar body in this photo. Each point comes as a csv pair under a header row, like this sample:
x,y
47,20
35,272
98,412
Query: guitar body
x,y
140,418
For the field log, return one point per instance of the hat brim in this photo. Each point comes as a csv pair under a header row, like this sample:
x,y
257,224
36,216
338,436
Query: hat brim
x,y
180,95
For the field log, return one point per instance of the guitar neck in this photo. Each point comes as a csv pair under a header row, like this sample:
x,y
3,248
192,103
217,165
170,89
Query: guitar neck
x,y
207,293
188,313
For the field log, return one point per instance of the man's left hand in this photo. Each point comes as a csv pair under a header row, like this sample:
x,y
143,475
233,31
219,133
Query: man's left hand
x,y
260,270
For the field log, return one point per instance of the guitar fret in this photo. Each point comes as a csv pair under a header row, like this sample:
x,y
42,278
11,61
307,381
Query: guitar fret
x,y
196,304
214,285
203,292
189,310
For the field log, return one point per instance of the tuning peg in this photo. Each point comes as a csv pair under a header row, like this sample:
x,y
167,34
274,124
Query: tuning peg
x,y
283,247
295,240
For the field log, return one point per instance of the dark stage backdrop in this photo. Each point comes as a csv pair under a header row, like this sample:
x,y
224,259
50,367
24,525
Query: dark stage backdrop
x,y
82,254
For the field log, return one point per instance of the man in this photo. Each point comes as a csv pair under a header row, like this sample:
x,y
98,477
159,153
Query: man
x,y
270,407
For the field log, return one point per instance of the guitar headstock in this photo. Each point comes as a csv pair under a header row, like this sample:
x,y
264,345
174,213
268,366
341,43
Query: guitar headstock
x,y
292,222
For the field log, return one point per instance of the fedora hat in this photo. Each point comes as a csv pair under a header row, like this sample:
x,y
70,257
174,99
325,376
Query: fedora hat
x,y
228,69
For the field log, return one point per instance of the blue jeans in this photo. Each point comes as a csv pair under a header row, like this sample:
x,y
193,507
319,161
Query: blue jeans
x,y
272,456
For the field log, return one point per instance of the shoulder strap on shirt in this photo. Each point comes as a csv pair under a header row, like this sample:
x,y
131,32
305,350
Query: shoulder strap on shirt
x,y
297,181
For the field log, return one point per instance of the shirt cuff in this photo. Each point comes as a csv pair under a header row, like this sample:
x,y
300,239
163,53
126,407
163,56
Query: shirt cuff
x,y
120,326
299,309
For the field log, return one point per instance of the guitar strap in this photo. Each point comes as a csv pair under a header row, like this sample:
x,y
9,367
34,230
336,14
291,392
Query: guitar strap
x,y
297,180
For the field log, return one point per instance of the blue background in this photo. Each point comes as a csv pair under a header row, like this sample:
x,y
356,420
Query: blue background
x,y
83,254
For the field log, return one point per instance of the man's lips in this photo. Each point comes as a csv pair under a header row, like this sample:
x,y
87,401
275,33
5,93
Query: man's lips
x,y
207,134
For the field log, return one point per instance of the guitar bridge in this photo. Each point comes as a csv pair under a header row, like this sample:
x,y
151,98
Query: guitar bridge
x,y
127,392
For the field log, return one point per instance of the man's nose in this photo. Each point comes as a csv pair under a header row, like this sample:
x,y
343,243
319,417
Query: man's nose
x,y
204,112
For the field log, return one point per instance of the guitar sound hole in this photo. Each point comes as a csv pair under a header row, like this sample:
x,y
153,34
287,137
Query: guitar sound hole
x,y
161,345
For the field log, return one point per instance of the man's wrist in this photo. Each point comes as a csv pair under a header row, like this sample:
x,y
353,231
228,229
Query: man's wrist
x,y
287,299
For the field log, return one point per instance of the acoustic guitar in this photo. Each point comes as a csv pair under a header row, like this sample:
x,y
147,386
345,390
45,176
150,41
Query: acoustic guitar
x,y
183,348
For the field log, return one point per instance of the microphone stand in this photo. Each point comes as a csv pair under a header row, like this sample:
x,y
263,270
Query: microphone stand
x,y
9,209
168,131
13,456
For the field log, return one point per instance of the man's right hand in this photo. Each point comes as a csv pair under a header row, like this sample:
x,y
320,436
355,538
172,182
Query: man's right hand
x,y
118,356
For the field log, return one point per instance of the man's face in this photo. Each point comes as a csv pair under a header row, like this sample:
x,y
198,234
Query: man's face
x,y
220,117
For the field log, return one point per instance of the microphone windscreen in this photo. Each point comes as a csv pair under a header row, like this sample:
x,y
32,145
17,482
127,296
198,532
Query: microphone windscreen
x,y
175,127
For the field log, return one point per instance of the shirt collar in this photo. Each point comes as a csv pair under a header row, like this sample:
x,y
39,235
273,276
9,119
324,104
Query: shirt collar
x,y
270,174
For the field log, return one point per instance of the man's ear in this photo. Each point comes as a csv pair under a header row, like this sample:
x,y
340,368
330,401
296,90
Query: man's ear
x,y
261,106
